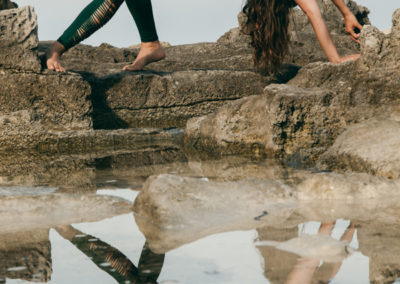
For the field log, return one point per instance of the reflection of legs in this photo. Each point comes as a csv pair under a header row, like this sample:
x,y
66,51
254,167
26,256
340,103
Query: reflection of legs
x,y
347,237
120,267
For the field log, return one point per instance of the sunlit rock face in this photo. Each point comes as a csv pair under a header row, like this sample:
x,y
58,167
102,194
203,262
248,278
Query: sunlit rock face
x,y
300,120
370,146
18,45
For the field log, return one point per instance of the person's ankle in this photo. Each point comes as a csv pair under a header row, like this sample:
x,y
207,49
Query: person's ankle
x,y
151,44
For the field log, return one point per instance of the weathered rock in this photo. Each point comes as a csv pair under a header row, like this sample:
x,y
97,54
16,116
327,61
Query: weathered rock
x,y
302,119
85,141
165,100
24,213
371,146
19,40
7,4
26,256
182,210
281,122
37,102
332,16
174,210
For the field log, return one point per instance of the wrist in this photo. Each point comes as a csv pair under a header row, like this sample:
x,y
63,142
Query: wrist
x,y
334,59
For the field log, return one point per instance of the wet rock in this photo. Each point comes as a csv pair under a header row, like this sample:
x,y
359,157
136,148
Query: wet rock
x,y
7,4
24,213
371,146
86,141
26,256
19,40
182,210
317,247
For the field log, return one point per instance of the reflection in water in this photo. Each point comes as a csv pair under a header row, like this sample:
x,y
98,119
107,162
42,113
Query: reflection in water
x,y
26,256
377,234
114,262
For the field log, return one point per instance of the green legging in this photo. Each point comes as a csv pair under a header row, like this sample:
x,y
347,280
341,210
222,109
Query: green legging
x,y
99,12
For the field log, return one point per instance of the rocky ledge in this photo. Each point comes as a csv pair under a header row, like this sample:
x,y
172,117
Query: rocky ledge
x,y
226,107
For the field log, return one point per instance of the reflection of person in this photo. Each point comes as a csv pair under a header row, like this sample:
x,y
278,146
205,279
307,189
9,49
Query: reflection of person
x,y
114,262
97,14
304,270
268,22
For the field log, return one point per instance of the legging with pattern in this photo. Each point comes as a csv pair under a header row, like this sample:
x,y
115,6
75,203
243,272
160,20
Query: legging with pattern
x,y
99,12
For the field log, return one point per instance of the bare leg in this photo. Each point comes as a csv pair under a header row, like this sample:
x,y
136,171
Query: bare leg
x,y
53,56
149,52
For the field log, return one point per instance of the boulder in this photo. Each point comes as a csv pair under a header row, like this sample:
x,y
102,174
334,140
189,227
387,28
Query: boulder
x,y
371,146
45,211
19,40
46,101
280,123
300,120
184,209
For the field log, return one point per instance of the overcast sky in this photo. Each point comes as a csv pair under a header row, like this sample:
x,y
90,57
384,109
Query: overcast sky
x,y
178,21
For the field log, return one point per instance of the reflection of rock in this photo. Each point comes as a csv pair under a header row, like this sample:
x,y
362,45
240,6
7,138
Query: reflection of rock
x,y
381,243
22,213
26,256
277,264
18,47
372,146
318,247
174,210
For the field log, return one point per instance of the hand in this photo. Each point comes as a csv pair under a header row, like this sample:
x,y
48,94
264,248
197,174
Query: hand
x,y
348,58
351,25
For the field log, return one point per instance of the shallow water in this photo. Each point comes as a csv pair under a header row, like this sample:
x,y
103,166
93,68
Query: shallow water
x,y
65,222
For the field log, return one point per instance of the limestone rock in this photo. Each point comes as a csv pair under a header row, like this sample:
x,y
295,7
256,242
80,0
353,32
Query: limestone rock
x,y
371,146
24,213
50,101
281,122
19,40
182,209
331,15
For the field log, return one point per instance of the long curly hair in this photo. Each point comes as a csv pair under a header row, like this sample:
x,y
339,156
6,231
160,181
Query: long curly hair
x,y
267,24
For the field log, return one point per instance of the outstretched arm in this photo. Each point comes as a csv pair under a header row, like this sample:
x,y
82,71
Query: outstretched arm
x,y
349,19
311,8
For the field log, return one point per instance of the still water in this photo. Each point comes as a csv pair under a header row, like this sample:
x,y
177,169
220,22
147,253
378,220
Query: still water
x,y
78,225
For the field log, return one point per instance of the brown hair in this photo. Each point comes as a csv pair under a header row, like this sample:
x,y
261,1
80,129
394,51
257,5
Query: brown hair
x,y
267,24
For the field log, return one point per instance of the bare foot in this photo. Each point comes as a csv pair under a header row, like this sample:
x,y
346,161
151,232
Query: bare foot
x,y
149,52
53,56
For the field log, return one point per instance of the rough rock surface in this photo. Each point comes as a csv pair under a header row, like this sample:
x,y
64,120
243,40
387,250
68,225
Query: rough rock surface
x,y
301,120
181,211
371,146
46,101
19,40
